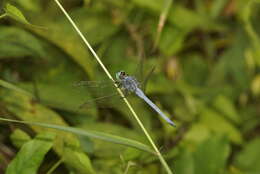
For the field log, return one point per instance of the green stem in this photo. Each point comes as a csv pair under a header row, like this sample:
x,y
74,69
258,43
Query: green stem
x,y
54,167
3,15
162,19
167,168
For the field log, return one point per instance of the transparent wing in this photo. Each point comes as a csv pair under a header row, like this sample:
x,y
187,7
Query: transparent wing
x,y
96,88
141,75
145,80
139,71
102,102
104,94
94,84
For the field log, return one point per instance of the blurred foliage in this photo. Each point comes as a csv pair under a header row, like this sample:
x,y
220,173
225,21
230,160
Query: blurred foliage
x,y
207,58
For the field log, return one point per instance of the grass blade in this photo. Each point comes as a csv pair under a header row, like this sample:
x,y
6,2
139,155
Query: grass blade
x,y
88,133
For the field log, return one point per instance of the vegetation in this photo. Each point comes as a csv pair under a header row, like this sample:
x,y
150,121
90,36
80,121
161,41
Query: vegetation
x,y
206,78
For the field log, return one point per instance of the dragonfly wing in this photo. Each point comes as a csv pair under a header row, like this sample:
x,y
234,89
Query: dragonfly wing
x,y
94,84
101,92
140,93
145,80
143,77
102,102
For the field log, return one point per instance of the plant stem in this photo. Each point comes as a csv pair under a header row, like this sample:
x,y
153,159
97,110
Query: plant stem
x,y
162,20
54,167
3,15
167,168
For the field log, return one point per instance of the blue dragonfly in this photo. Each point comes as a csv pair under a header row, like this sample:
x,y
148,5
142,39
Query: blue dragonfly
x,y
128,84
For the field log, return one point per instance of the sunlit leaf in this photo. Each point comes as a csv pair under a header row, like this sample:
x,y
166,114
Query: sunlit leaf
x,y
247,160
255,86
216,123
26,108
15,13
19,137
30,156
225,106
198,133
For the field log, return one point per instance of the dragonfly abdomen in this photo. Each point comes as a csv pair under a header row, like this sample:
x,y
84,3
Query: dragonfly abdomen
x,y
140,93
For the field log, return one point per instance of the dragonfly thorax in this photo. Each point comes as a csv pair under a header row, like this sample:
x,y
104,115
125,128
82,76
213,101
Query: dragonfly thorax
x,y
128,83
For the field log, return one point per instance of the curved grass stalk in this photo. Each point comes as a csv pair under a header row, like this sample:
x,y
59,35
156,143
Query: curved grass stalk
x,y
3,15
88,133
162,160
55,166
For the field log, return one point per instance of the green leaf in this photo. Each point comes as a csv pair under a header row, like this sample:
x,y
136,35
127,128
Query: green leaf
x,y
3,15
231,66
172,40
247,9
26,108
16,42
19,137
217,7
15,13
14,88
226,107
30,5
198,133
218,124
89,24
110,150
195,70
31,155
184,162
211,156
188,20
150,4
181,17
255,86
248,159
60,96
94,134
162,20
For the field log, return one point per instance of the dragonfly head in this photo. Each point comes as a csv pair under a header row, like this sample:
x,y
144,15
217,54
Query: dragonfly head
x,y
120,75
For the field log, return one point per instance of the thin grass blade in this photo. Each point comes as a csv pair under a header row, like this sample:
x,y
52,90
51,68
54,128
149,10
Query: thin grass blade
x,y
92,134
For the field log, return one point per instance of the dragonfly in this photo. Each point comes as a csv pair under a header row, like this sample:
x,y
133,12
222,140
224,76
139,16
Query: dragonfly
x,y
129,84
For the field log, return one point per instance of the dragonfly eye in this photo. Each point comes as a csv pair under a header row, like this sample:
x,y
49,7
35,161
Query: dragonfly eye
x,y
122,73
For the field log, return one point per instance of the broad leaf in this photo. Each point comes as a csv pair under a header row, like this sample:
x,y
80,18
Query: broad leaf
x,y
248,159
211,156
31,155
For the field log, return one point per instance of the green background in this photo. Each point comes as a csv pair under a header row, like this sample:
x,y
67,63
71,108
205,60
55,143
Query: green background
x,y
206,56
